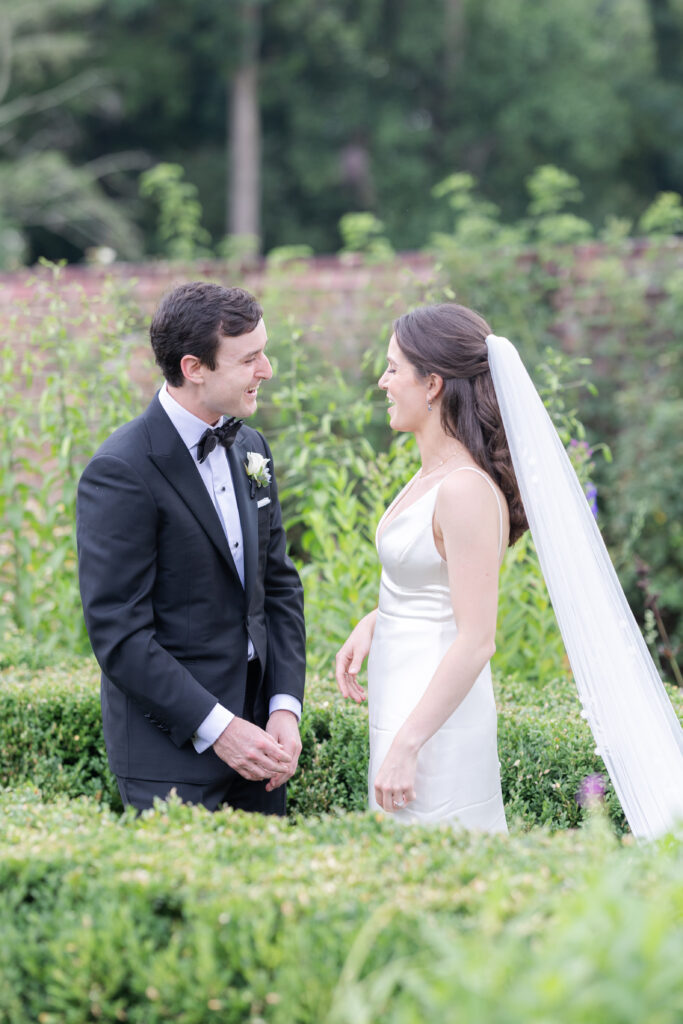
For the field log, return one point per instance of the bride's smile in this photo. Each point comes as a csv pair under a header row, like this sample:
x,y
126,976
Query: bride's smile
x,y
406,391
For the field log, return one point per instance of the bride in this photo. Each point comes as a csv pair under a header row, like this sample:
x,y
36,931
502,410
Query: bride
x,y
490,458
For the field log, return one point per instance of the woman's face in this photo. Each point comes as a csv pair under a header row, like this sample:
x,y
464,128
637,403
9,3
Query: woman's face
x,y
406,390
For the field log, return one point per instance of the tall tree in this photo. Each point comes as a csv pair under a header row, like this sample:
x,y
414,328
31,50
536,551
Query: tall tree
x,y
244,129
661,105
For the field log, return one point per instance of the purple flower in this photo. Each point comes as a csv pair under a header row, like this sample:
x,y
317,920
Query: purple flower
x,y
591,790
592,495
581,444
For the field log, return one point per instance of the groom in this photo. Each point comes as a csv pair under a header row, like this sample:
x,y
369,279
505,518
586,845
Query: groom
x,y
194,610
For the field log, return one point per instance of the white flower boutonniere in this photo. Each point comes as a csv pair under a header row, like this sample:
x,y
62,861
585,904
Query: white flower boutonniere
x,y
257,469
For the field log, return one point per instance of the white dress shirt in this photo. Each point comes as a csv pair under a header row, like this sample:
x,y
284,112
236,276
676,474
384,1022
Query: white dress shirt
x,y
215,474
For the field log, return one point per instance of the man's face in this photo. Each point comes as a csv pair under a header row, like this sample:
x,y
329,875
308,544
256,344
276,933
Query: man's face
x,y
241,364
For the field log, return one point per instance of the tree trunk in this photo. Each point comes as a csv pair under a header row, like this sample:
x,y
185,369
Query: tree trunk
x,y
454,31
244,136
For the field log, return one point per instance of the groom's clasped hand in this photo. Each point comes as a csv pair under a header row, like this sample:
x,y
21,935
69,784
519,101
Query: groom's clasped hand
x,y
256,754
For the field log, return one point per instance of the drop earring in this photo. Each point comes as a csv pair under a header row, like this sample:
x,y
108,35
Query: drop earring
x,y
429,404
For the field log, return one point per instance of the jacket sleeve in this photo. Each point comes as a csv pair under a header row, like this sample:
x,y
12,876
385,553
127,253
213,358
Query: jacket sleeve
x,y
116,527
284,606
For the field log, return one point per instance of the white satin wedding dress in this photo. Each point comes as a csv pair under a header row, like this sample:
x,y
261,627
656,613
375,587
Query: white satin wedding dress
x,y
458,772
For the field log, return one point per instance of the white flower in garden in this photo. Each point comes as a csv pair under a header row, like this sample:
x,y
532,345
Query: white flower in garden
x,y
257,468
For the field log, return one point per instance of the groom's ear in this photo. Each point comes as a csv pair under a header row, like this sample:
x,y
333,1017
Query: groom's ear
x,y
192,369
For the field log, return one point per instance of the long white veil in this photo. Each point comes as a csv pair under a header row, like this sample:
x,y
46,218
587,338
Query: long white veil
x,y
635,727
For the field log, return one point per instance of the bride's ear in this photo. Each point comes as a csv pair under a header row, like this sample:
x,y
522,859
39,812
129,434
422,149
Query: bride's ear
x,y
434,386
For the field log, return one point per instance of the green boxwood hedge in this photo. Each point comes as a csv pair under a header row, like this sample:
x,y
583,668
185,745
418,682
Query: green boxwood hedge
x,y
185,916
50,738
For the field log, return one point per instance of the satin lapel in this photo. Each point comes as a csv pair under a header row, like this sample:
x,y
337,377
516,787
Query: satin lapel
x,y
171,457
237,457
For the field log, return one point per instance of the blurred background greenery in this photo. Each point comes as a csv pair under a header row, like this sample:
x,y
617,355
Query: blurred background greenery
x,y
284,115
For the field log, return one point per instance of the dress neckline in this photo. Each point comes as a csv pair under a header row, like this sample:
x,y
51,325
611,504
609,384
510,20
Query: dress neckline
x,y
380,531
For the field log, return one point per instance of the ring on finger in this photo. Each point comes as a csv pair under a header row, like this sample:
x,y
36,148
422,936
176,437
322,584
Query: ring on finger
x,y
401,802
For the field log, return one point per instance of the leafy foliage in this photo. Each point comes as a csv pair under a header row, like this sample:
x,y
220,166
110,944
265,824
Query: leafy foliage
x,y
46,85
181,235
43,191
363,232
183,915
52,415
51,739
664,216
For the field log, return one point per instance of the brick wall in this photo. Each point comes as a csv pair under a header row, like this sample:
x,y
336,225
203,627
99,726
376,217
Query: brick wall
x,y
343,289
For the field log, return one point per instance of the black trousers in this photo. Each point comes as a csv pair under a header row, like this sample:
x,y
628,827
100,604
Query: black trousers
x,y
242,794
230,791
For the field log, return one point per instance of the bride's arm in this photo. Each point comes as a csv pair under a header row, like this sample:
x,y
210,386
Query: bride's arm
x,y
351,656
466,517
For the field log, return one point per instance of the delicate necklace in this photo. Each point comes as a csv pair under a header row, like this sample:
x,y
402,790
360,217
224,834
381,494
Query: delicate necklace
x,y
391,511
422,473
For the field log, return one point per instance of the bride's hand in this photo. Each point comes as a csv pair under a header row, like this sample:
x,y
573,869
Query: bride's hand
x,y
395,782
350,658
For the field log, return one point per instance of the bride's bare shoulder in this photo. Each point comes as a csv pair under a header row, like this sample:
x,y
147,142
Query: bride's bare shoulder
x,y
468,494
467,481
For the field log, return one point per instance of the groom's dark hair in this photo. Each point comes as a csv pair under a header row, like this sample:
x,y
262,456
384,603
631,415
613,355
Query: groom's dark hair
x,y
191,320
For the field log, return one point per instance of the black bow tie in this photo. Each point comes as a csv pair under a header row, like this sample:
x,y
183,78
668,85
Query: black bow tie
x,y
224,435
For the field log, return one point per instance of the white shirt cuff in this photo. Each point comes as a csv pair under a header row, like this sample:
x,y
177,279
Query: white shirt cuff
x,y
219,718
285,702
210,729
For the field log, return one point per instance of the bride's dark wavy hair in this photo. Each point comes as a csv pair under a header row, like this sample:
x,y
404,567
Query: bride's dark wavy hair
x,y
450,340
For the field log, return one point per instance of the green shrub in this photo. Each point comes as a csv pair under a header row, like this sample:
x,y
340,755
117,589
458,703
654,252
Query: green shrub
x,y
546,751
185,916
333,769
605,952
66,382
51,730
51,738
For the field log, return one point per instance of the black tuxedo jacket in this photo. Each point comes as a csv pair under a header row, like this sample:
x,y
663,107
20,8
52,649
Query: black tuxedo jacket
x,y
166,612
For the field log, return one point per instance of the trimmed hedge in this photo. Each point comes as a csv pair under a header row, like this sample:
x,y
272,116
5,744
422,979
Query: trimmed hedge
x,y
185,916
51,738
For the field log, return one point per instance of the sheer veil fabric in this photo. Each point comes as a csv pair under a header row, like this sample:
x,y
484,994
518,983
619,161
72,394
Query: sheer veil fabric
x,y
635,727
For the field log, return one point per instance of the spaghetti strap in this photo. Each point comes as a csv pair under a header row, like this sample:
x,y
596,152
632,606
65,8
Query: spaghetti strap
x,y
483,475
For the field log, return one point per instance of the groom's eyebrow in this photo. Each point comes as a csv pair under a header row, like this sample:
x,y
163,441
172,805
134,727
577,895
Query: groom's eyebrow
x,y
256,352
